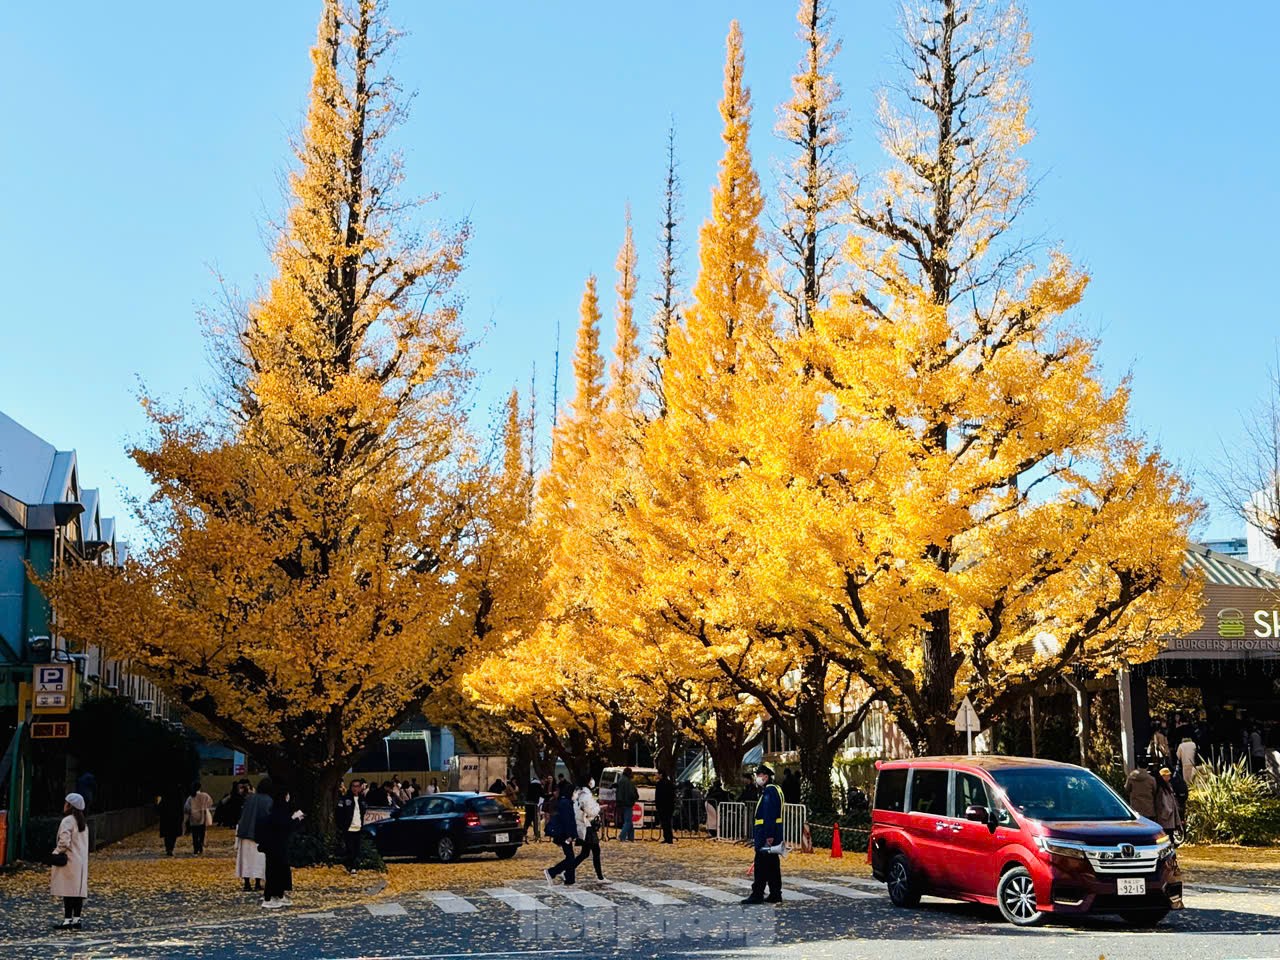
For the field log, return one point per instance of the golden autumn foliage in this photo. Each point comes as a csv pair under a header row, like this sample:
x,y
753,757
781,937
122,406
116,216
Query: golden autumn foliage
x,y
313,559
920,489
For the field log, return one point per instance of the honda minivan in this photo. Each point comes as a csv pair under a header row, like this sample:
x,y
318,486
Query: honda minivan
x,y
1031,837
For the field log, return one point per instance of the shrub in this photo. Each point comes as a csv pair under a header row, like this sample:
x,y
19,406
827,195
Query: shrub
x,y
309,849
1228,804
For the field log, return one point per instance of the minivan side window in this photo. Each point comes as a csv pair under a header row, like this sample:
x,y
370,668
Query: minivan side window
x,y
970,792
929,792
891,790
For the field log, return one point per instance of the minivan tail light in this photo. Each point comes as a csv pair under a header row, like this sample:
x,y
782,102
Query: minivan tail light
x,y
471,819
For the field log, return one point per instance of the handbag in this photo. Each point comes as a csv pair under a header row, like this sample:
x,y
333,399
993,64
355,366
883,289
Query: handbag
x,y
208,817
58,859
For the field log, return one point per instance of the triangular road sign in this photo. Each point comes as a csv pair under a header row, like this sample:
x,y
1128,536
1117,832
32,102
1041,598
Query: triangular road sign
x,y
967,718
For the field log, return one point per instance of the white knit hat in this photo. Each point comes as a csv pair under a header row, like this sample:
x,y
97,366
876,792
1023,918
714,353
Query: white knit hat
x,y
75,801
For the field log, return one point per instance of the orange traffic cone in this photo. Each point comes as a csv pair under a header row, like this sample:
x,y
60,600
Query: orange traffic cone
x,y
835,842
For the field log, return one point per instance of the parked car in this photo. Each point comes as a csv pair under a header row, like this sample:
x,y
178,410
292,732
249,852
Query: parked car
x,y
1031,837
645,780
446,826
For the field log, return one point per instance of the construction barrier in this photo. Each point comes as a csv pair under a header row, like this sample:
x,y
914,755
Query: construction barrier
x,y
734,825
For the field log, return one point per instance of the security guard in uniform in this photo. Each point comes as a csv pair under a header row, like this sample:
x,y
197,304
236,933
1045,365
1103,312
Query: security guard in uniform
x,y
768,832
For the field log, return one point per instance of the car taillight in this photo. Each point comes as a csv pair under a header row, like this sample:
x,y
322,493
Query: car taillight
x,y
472,820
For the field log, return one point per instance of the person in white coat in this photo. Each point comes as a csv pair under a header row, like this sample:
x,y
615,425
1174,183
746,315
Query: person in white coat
x,y
587,813
1186,756
70,877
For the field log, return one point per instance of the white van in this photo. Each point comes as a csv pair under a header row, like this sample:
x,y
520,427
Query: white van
x,y
645,780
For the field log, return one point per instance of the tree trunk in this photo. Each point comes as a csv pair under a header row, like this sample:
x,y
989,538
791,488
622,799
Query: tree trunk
x,y
816,752
314,790
730,744
664,757
1082,718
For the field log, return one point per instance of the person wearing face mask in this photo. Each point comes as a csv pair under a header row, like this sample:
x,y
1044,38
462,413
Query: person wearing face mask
x,y
768,832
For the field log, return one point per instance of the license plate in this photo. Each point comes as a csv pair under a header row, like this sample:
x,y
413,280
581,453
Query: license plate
x,y
506,838
1131,887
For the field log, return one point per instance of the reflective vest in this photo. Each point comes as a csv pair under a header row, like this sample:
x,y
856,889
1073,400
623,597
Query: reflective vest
x,y
763,794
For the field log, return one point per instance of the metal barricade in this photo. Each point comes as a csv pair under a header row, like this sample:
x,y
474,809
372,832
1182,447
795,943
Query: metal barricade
x,y
734,825
794,816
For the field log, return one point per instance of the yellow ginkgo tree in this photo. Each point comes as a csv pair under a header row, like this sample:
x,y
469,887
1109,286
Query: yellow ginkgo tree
x,y
311,572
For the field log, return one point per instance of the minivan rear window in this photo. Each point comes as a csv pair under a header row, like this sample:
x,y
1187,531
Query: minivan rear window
x,y
891,790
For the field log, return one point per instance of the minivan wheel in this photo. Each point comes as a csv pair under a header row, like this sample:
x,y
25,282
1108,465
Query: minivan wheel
x,y
1144,918
1016,894
901,883
446,849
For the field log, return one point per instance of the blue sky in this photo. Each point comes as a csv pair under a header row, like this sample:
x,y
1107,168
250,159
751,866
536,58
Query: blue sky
x,y
146,144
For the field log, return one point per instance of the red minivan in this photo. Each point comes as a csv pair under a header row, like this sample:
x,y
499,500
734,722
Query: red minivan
x,y
1030,836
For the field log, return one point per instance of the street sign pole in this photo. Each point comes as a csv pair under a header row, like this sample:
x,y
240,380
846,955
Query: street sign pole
x,y
967,721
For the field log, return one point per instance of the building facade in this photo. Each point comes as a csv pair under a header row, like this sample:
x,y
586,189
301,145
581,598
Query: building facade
x,y
48,519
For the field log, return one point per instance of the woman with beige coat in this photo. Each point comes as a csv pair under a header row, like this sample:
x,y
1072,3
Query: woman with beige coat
x,y
70,877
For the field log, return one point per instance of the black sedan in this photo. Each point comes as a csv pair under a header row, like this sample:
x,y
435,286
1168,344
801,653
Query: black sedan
x,y
444,826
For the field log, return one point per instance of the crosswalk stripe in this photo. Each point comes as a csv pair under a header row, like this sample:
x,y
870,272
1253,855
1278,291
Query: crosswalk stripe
x,y
865,882
702,890
449,902
516,900
386,909
586,899
837,889
789,895
655,897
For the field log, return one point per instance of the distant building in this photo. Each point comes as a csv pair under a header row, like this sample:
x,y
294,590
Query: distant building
x,y
1232,547
48,519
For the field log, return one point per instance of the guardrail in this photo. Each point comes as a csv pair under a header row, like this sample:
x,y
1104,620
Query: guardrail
x,y
734,824
794,817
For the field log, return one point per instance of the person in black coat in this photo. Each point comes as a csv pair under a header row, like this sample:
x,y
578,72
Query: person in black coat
x,y
273,840
563,831
172,816
790,786
664,805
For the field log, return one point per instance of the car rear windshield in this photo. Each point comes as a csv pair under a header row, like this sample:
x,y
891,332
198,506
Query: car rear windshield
x,y
1060,793
642,779
489,804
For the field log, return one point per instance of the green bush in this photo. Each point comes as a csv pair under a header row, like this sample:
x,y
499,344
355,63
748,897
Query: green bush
x,y
309,849
1228,804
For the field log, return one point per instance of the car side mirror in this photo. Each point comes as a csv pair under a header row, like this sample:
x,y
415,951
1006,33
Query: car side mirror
x,y
979,815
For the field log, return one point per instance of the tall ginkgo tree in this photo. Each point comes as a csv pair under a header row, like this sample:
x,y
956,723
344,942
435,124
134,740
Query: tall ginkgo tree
x,y
953,503
311,547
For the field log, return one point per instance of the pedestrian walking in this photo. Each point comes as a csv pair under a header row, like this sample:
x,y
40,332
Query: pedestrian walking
x,y
625,797
350,820
1168,814
1186,757
1159,746
273,841
715,796
767,870
562,828
1141,787
586,810
664,805
251,865
69,878
172,813
533,809
199,813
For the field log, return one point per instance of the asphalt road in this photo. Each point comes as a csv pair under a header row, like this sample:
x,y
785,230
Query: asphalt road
x,y
681,918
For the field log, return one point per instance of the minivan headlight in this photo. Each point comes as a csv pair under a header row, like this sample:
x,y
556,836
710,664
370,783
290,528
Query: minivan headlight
x,y
1060,848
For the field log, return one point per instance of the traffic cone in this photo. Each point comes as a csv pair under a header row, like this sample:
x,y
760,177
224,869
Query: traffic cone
x,y
835,842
